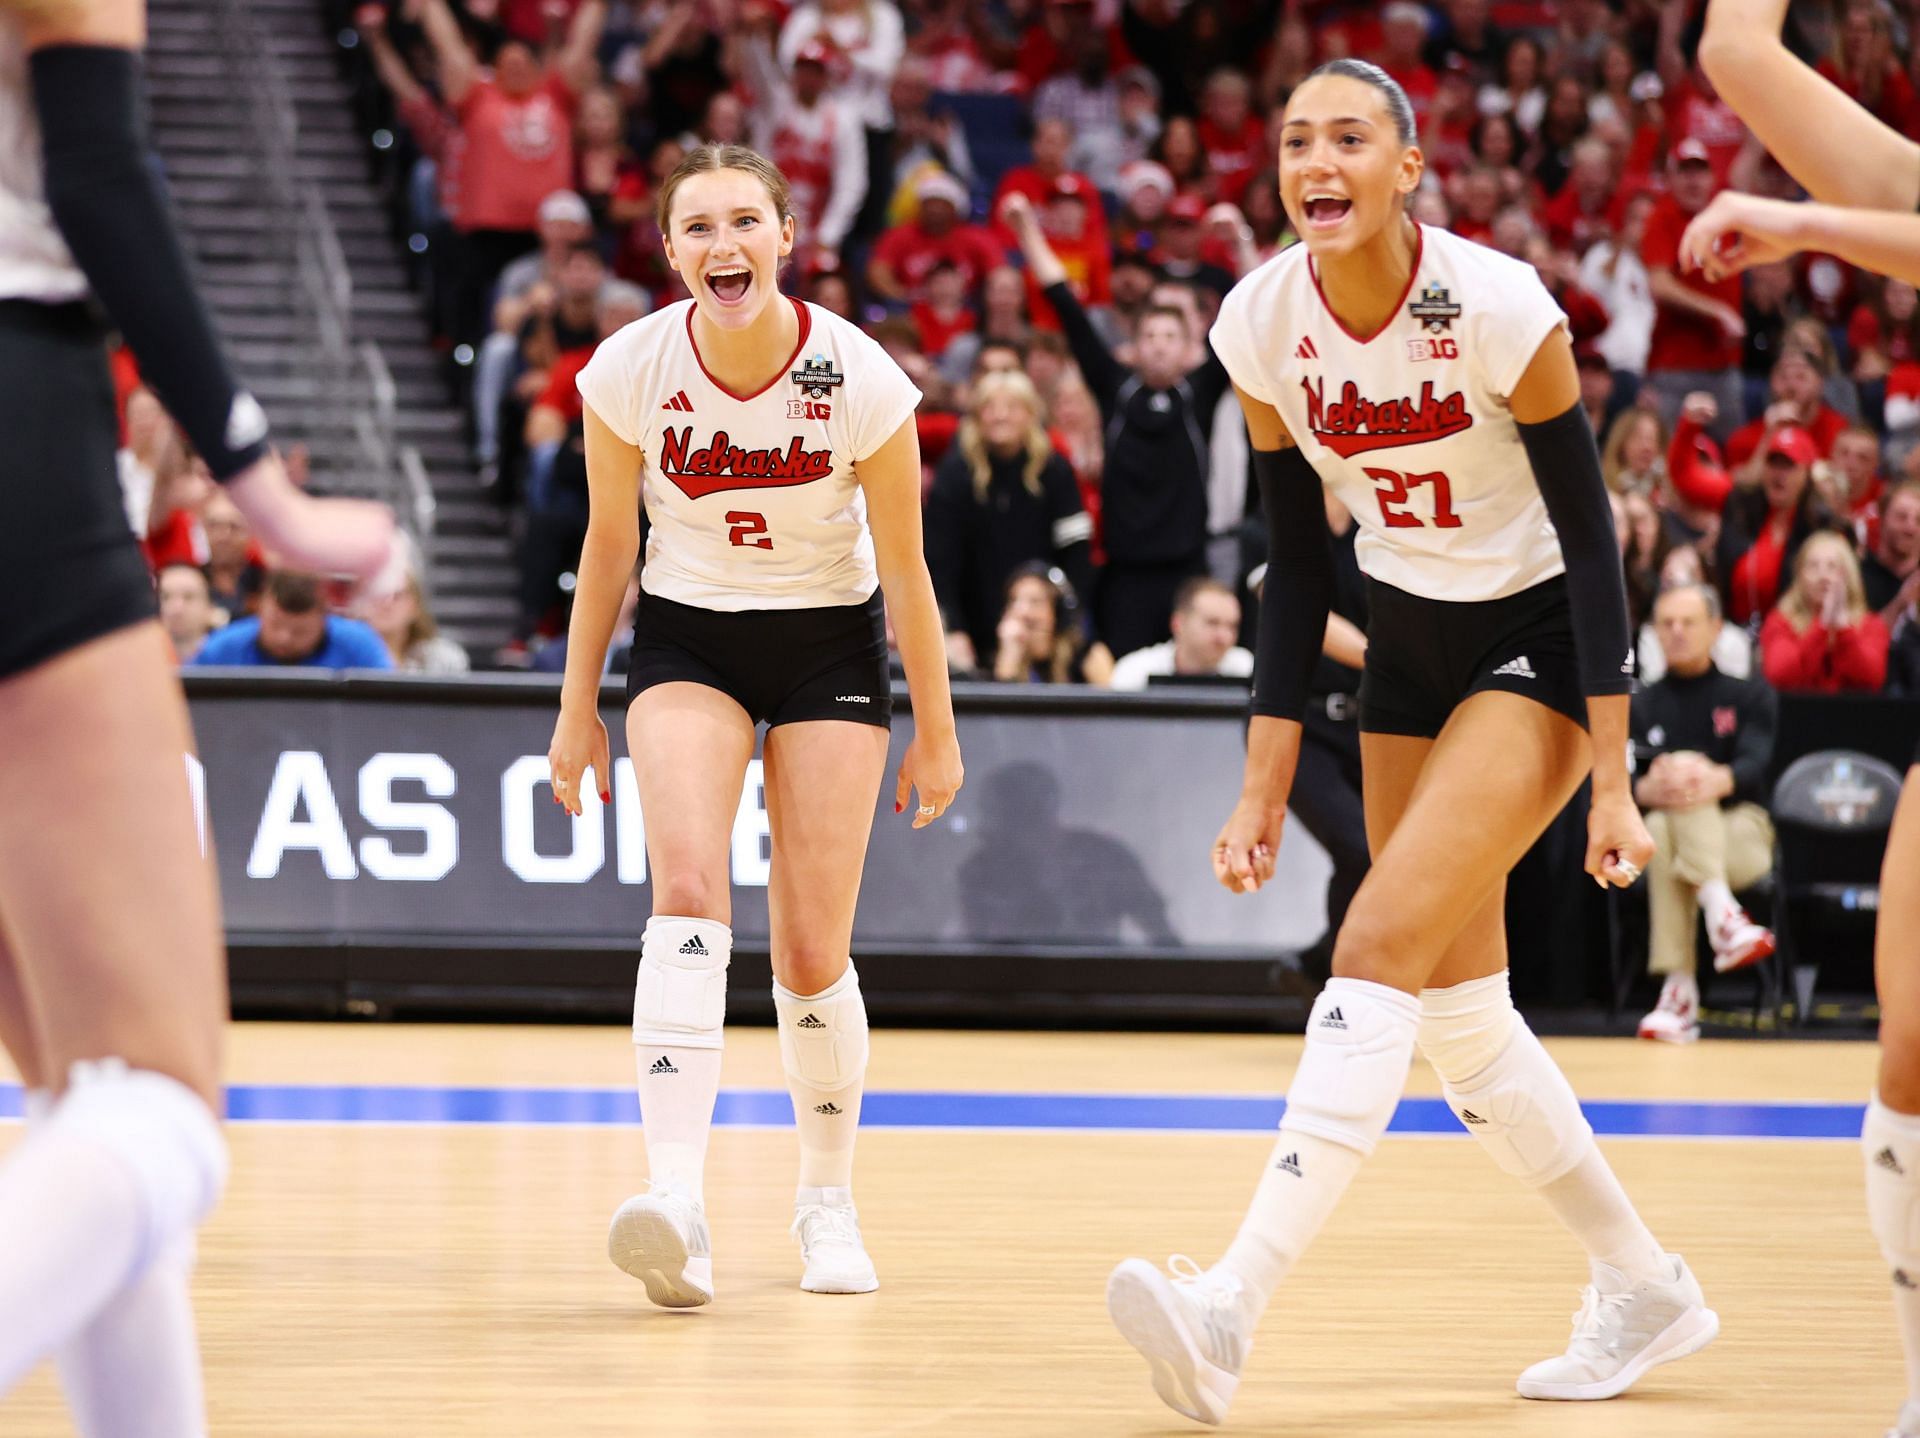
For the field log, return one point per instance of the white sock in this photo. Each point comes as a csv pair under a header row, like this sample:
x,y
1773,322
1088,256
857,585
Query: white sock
x,y
134,1371
1589,1200
1359,1044
1716,902
678,1087
679,1009
1891,1143
823,1047
120,1173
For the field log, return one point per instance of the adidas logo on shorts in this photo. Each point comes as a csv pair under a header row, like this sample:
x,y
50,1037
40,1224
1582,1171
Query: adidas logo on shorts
x,y
1885,1159
1333,1019
810,1022
1518,668
1290,1164
830,1109
694,946
663,1065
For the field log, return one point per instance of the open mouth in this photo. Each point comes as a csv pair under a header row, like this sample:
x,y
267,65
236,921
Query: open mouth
x,y
1324,212
730,286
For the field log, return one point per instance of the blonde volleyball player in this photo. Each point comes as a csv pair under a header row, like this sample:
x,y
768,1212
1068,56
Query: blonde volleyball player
x,y
1865,180
1430,383
112,980
773,445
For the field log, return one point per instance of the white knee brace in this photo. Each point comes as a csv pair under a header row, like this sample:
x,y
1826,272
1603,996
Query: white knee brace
x,y
823,1037
1501,1083
1354,1069
1891,1144
680,993
163,1137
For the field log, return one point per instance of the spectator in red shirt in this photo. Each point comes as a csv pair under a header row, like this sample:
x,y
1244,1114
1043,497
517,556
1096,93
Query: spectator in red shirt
x,y
1822,639
940,313
1692,108
904,254
1179,253
1476,201
1697,325
1863,64
1796,385
1696,471
1857,483
1446,138
1052,142
1884,330
1764,525
1180,151
610,176
1403,35
516,130
1080,241
1231,135
1146,188
1581,214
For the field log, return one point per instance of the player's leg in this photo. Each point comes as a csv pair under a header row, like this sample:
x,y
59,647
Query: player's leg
x,y
1891,1138
113,922
823,780
17,1035
690,745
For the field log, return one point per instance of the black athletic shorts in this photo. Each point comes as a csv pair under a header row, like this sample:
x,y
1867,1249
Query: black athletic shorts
x,y
1424,656
70,569
780,665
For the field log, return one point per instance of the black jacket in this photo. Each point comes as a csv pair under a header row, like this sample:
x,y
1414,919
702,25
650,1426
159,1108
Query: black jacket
x,y
1731,721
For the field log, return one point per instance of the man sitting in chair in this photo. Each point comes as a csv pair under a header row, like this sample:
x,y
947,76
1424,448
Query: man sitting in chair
x,y
1701,743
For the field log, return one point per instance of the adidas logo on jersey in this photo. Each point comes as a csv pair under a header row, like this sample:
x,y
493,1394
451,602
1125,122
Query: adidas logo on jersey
x,y
663,1065
1518,668
679,402
1885,1159
829,1108
694,946
1290,1164
1306,349
1467,1115
809,1022
1333,1019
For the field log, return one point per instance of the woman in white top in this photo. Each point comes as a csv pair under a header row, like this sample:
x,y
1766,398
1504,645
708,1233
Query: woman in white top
x,y
773,446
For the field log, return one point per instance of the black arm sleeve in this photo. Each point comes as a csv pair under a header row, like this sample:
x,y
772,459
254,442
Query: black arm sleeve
x,y
110,212
1566,465
1298,592
1103,373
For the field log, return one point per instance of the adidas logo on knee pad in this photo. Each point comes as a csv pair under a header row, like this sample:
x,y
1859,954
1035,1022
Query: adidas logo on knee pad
x,y
694,946
809,1022
1333,1020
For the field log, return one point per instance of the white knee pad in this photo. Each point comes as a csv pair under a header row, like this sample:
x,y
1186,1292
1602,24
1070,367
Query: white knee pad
x,y
1465,1028
1523,1110
1891,1144
162,1135
1359,1047
823,1036
680,993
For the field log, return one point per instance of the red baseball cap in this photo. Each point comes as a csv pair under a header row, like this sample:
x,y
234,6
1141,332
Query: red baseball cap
x,y
1187,207
1794,443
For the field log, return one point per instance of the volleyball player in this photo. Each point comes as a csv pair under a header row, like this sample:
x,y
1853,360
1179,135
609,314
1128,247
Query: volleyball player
x,y
1430,382
1865,180
112,990
773,445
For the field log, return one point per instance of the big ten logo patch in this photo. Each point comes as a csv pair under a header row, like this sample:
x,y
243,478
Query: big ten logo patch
x,y
809,409
1432,349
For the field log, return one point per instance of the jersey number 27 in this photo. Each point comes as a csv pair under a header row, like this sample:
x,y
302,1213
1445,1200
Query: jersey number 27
x,y
1395,488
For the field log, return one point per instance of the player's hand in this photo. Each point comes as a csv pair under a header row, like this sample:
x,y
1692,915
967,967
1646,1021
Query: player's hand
x,y
1736,232
329,536
579,743
1618,844
932,767
1244,852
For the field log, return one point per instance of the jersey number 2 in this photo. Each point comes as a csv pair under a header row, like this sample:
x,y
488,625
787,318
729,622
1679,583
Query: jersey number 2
x,y
749,529
1394,490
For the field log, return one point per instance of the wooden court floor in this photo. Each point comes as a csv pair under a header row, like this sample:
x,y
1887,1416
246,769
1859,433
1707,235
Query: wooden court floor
x,y
380,1278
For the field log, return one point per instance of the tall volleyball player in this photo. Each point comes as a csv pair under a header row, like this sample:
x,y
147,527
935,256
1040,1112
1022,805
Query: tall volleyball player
x,y
1430,383
112,982
1865,179
774,447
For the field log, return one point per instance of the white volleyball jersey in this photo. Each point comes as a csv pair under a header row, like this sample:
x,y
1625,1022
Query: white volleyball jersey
x,y
34,261
752,498
1411,427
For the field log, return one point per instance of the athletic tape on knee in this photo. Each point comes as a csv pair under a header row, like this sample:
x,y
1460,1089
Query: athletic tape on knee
x,y
1523,1111
161,1134
823,1036
680,993
1891,1144
1354,1069
1465,1027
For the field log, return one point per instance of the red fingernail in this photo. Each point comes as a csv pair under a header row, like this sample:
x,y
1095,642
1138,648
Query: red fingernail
x,y
899,807
605,797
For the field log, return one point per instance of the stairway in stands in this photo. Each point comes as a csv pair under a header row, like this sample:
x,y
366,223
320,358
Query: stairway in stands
x,y
204,141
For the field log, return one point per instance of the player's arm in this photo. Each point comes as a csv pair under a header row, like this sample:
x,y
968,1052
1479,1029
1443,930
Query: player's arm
x,y
1566,465
1837,150
890,477
1294,603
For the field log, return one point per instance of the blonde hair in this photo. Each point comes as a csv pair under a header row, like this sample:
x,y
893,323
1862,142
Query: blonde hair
x,y
1793,604
706,159
972,443
1613,459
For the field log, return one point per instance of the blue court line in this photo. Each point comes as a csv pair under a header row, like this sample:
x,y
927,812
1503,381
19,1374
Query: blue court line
x,y
1199,1113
